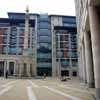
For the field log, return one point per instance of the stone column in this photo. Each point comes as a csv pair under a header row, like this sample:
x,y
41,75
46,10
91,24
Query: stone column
x,y
28,69
80,66
20,69
89,60
15,69
95,37
7,65
34,67
5,68
83,64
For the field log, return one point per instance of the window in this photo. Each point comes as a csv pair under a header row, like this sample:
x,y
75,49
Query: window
x,y
65,73
65,62
44,32
44,64
69,20
74,73
43,25
44,55
13,50
44,60
74,62
44,39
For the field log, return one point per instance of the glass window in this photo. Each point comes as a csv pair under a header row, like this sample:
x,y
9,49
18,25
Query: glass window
x,y
69,25
65,62
44,60
74,62
43,25
44,32
69,20
44,64
13,50
43,55
44,39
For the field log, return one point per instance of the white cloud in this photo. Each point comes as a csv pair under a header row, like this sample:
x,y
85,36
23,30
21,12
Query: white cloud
x,y
63,7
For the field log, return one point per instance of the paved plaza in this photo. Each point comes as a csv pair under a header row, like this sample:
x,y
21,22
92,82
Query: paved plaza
x,y
43,89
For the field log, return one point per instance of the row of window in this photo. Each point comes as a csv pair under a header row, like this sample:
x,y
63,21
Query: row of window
x,y
44,42
44,64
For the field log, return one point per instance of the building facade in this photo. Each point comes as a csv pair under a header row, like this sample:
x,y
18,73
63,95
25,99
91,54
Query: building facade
x,y
88,27
34,44
64,46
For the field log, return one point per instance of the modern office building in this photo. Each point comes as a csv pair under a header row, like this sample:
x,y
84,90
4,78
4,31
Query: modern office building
x,y
34,44
88,27
64,46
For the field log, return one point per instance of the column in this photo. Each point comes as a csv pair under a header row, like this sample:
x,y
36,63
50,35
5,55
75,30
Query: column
x,y
83,63
5,67
15,69
34,69
20,70
89,60
28,69
95,37
80,65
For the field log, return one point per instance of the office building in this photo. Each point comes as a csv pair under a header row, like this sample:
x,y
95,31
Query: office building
x,y
34,44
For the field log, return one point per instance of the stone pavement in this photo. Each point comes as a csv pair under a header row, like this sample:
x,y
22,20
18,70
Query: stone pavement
x,y
43,89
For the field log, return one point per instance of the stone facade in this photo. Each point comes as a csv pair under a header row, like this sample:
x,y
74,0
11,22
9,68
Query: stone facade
x,y
88,27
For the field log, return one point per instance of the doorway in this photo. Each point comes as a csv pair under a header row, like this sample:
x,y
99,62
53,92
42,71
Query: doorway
x,y
11,68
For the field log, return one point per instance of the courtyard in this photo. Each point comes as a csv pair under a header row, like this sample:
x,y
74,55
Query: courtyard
x,y
44,89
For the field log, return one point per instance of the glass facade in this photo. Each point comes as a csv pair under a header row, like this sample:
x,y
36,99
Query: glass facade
x,y
66,47
44,50
12,37
12,40
69,21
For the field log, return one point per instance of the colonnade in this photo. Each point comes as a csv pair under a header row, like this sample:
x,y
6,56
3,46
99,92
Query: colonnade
x,y
17,69
90,51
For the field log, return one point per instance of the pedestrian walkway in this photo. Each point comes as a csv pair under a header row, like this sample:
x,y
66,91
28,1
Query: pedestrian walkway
x,y
44,89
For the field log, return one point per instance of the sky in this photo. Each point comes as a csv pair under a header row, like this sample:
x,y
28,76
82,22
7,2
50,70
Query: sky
x,y
62,7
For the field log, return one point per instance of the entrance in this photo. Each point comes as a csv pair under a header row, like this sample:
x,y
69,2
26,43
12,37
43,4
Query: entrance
x,y
74,73
65,73
25,70
11,68
1,68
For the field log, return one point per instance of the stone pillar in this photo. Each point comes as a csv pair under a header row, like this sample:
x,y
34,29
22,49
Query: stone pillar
x,y
70,73
20,69
5,68
83,64
80,66
7,65
34,67
95,37
89,60
15,69
28,69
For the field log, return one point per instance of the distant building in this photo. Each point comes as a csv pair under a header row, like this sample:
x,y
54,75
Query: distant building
x,y
39,44
88,26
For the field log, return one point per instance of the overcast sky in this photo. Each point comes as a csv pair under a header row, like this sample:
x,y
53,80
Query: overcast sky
x,y
63,7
